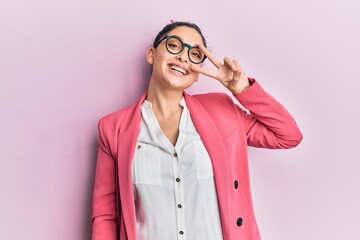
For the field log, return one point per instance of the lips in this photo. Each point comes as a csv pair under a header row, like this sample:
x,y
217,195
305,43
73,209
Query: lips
x,y
179,69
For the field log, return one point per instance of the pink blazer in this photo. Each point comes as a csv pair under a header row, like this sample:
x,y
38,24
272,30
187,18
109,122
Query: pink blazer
x,y
226,131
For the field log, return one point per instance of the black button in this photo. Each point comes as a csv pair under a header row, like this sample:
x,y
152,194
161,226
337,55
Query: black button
x,y
236,184
175,154
181,232
139,146
239,222
177,179
179,206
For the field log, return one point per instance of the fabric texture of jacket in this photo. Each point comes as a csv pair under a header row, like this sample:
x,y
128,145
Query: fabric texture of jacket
x,y
226,130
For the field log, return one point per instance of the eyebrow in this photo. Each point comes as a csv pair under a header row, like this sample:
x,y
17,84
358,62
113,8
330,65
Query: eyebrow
x,y
195,45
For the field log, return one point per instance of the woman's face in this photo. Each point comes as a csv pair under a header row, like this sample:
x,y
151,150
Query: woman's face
x,y
173,70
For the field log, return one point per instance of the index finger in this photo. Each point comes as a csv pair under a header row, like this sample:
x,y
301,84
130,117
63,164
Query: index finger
x,y
210,56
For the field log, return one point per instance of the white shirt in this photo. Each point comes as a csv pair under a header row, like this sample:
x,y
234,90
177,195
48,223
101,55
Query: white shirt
x,y
174,188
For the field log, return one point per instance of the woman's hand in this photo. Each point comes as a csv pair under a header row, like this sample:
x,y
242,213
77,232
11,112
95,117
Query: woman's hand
x,y
229,73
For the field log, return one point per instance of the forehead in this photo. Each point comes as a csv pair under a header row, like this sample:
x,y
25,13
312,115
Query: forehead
x,y
187,34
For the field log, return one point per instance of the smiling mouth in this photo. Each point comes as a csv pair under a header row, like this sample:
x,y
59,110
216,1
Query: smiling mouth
x,y
178,69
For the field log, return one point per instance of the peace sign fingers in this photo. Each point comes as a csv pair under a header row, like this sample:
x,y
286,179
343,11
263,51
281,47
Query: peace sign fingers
x,y
210,56
204,71
229,73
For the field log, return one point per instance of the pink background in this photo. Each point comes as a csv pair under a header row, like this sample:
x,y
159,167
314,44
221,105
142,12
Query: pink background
x,y
65,64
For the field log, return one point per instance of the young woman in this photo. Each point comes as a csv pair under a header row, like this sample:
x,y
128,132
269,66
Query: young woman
x,y
174,166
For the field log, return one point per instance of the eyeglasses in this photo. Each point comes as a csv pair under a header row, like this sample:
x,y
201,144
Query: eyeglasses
x,y
175,45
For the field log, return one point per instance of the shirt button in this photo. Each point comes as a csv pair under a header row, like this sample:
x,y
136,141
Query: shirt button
x,y
175,154
138,146
179,206
181,232
239,222
236,184
177,179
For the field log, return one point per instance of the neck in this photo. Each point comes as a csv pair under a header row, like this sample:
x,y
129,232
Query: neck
x,y
164,101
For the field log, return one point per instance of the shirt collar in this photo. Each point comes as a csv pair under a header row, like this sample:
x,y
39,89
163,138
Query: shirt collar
x,y
148,104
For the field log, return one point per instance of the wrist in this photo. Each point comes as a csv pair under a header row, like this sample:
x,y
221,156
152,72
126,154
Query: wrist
x,y
243,87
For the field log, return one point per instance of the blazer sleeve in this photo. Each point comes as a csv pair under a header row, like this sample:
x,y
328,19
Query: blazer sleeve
x,y
269,124
104,217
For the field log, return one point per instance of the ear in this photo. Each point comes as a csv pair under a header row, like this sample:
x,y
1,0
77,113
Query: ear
x,y
150,55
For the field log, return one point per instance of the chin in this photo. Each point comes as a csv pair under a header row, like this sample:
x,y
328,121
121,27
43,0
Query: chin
x,y
180,83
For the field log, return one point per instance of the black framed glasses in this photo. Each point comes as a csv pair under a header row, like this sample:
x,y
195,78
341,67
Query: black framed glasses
x,y
175,45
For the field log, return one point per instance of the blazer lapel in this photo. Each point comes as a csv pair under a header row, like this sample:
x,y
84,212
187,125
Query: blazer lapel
x,y
214,145
128,136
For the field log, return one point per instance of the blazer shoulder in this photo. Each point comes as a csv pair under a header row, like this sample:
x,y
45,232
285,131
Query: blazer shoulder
x,y
114,116
213,99
110,124
219,109
216,101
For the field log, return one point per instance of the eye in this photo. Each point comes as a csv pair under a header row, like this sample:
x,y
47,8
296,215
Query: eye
x,y
196,55
173,45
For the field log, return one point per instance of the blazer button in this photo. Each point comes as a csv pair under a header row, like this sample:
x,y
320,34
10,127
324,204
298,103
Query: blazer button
x,y
236,184
239,222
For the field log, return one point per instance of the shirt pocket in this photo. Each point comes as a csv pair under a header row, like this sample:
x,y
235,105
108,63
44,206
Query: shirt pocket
x,y
203,162
147,165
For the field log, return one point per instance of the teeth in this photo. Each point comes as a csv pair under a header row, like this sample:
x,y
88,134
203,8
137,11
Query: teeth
x,y
183,71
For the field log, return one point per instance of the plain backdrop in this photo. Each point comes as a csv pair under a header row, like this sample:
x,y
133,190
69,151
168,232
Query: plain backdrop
x,y
65,64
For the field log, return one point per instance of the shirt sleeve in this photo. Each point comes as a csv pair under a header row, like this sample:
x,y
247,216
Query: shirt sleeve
x,y
269,124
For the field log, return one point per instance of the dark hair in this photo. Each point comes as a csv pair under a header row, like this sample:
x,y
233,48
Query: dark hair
x,y
172,26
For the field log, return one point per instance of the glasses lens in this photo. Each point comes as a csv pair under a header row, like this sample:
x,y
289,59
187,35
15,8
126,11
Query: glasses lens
x,y
196,55
174,45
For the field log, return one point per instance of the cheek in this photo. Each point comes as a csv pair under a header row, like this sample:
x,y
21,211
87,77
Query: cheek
x,y
160,60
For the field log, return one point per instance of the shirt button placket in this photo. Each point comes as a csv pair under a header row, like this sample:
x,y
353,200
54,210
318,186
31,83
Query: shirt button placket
x,y
178,195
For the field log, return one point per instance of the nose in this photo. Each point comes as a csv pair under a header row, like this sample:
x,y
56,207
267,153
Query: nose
x,y
183,55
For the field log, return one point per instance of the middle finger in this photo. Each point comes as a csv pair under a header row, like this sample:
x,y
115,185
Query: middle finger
x,y
230,63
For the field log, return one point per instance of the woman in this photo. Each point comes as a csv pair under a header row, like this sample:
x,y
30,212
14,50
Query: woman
x,y
174,166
